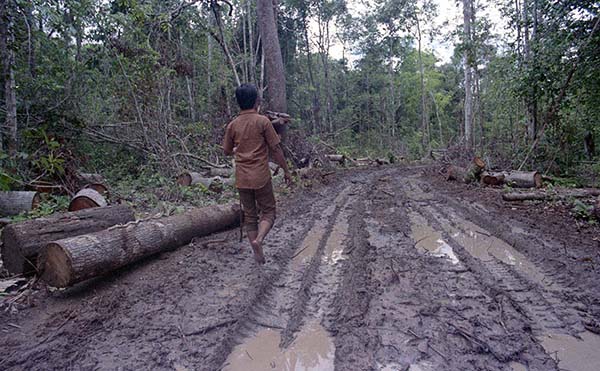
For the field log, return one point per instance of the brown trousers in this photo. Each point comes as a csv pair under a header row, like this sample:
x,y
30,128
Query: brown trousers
x,y
257,201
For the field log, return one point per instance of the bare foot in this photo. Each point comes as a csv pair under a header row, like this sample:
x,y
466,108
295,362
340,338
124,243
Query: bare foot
x,y
258,252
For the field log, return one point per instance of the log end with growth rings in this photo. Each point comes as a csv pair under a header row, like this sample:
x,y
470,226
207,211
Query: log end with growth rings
x,y
55,266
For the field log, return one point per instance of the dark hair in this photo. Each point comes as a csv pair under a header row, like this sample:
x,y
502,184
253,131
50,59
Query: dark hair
x,y
246,95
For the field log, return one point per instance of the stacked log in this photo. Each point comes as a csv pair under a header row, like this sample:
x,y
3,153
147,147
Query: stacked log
x,y
17,202
279,120
86,199
21,242
71,260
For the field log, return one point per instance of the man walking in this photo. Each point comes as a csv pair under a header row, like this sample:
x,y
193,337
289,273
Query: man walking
x,y
250,138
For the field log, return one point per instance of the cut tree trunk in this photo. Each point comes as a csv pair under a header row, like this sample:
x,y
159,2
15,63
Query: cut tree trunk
x,y
551,195
493,179
336,158
382,161
94,181
222,172
86,199
22,241
523,179
596,210
71,260
214,184
466,175
14,203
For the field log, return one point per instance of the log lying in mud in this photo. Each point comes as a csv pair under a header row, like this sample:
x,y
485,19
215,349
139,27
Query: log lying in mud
x,y
14,203
71,260
21,242
87,198
382,161
340,159
491,178
466,175
523,179
556,194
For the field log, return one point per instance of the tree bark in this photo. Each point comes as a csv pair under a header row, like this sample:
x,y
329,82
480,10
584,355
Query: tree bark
x,y
71,260
14,203
22,241
468,106
276,97
468,175
493,179
424,119
551,195
7,55
86,199
523,179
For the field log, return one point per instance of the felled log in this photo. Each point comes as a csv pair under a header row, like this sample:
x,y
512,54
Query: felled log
x,y
466,175
94,181
365,161
222,172
279,120
14,203
22,241
555,194
214,184
86,199
68,261
523,179
492,178
336,158
596,210
382,161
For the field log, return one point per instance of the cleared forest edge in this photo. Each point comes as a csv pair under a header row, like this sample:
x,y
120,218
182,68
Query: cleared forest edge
x,y
383,269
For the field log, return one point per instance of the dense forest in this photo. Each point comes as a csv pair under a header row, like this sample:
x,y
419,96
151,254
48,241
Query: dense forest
x,y
127,86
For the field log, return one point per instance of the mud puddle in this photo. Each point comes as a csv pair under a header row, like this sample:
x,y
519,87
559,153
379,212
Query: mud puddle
x,y
312,349
573,354
482,245
428,239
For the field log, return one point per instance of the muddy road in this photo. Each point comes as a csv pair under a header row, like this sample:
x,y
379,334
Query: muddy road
x,y
388,269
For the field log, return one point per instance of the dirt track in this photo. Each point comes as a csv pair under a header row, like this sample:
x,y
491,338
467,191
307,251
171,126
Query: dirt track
x,y
388,269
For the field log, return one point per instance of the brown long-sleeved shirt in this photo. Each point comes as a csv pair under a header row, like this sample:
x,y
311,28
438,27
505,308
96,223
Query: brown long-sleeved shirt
x,y
252,135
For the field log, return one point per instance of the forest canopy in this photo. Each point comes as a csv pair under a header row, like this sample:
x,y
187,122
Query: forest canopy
x,y
125,84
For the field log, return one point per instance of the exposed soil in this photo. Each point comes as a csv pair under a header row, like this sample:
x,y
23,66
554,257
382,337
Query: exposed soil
x,y
386,269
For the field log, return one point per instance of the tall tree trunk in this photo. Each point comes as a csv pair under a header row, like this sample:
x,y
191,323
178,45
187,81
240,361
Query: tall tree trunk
x,y
221,40
468,108
424,121
277,98
316,103
8,63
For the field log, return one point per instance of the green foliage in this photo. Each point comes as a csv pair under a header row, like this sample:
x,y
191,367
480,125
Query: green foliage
x,y
50,204
582,210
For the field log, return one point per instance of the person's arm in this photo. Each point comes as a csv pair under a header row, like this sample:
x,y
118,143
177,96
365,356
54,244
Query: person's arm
x,y
228,142
274,143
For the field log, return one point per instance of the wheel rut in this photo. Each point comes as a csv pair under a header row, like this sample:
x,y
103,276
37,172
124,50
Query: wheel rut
x,y
284,330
